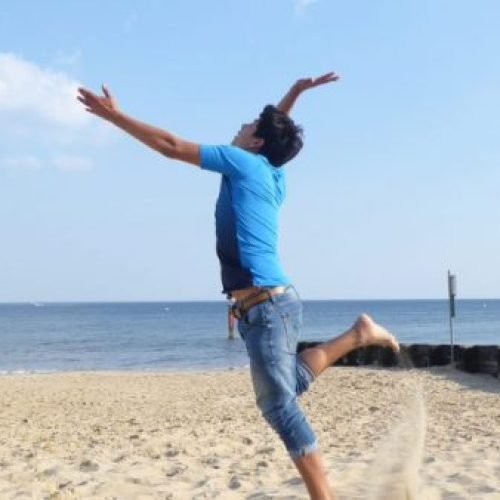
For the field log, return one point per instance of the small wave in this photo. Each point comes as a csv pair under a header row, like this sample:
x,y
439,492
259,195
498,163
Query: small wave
x,y
27,372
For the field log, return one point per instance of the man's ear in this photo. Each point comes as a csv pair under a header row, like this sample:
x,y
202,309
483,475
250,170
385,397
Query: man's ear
x,y
257,143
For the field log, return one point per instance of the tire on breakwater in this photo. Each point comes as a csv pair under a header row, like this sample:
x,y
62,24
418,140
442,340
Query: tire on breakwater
x,y
420,355
387,357
441,355
480,359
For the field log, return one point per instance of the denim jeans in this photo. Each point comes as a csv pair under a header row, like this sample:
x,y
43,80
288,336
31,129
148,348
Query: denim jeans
x,y
270,331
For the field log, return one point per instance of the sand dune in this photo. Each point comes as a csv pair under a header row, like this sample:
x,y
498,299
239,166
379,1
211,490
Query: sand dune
x,y
193,436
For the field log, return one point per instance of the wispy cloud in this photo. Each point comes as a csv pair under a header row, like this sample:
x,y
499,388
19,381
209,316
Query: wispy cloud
x,y
23,162
48,95
63,162
302,5
70,163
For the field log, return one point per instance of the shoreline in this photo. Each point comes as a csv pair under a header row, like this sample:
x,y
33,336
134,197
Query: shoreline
x,y
113,371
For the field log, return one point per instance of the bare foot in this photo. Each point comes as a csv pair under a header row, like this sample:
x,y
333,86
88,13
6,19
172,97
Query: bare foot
x,y
370,333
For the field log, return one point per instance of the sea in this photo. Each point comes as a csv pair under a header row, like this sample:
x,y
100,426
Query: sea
x,y
193,336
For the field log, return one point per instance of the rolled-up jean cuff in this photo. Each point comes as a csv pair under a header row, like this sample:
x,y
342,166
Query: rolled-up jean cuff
x,y
304,450
307,368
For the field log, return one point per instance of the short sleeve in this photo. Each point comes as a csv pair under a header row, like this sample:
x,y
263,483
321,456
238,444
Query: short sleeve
x,y
226,160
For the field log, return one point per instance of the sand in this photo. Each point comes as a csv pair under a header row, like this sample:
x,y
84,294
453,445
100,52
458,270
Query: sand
x,y
385,434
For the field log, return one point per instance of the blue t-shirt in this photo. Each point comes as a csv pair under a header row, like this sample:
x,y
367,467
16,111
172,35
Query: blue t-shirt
x,y
246,217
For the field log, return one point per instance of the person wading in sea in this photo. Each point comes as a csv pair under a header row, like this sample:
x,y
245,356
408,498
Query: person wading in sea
x,y
267,305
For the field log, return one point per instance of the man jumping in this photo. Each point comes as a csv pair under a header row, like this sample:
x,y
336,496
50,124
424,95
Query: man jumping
x,y
267,305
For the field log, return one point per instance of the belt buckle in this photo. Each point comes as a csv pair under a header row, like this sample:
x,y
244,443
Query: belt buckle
x,y
236,311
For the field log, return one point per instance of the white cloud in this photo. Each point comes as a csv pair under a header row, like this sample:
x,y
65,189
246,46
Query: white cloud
x,y
69,163
42,93
302,5
39,110
25,162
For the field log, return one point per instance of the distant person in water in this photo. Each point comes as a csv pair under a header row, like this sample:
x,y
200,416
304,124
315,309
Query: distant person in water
x,y
268,307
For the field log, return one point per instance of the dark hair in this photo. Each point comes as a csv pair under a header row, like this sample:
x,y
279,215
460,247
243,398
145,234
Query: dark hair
x,y
282,138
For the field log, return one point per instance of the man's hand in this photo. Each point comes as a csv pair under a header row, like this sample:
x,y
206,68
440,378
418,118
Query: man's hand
x,y
299,86
164,142
104,106
309,83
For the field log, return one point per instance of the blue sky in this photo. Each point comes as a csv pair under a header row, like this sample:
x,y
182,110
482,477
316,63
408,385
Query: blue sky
x,y
399,180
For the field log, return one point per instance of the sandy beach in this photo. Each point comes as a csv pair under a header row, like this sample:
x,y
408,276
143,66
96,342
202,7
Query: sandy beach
x,y
183,436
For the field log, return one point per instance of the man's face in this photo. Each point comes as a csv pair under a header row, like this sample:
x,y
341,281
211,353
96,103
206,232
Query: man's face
x,y
245,138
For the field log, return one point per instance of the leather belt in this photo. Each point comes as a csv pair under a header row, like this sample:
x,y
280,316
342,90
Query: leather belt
x,y
241,307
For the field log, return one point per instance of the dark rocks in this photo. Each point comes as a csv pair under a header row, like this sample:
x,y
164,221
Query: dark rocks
x,y
302,346
351,359
370,354
420,355
480,359
387,357
440,355
475,359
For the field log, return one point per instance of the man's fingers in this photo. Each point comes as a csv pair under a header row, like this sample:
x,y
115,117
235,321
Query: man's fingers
x,y
84,100
89,96
84,92
307,83
326,75
329,77
105,91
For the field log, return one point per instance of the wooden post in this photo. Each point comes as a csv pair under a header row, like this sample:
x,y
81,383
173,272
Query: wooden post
x,y
452,291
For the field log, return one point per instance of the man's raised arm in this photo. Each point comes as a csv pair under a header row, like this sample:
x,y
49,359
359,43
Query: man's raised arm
x,y
164,142
299,86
